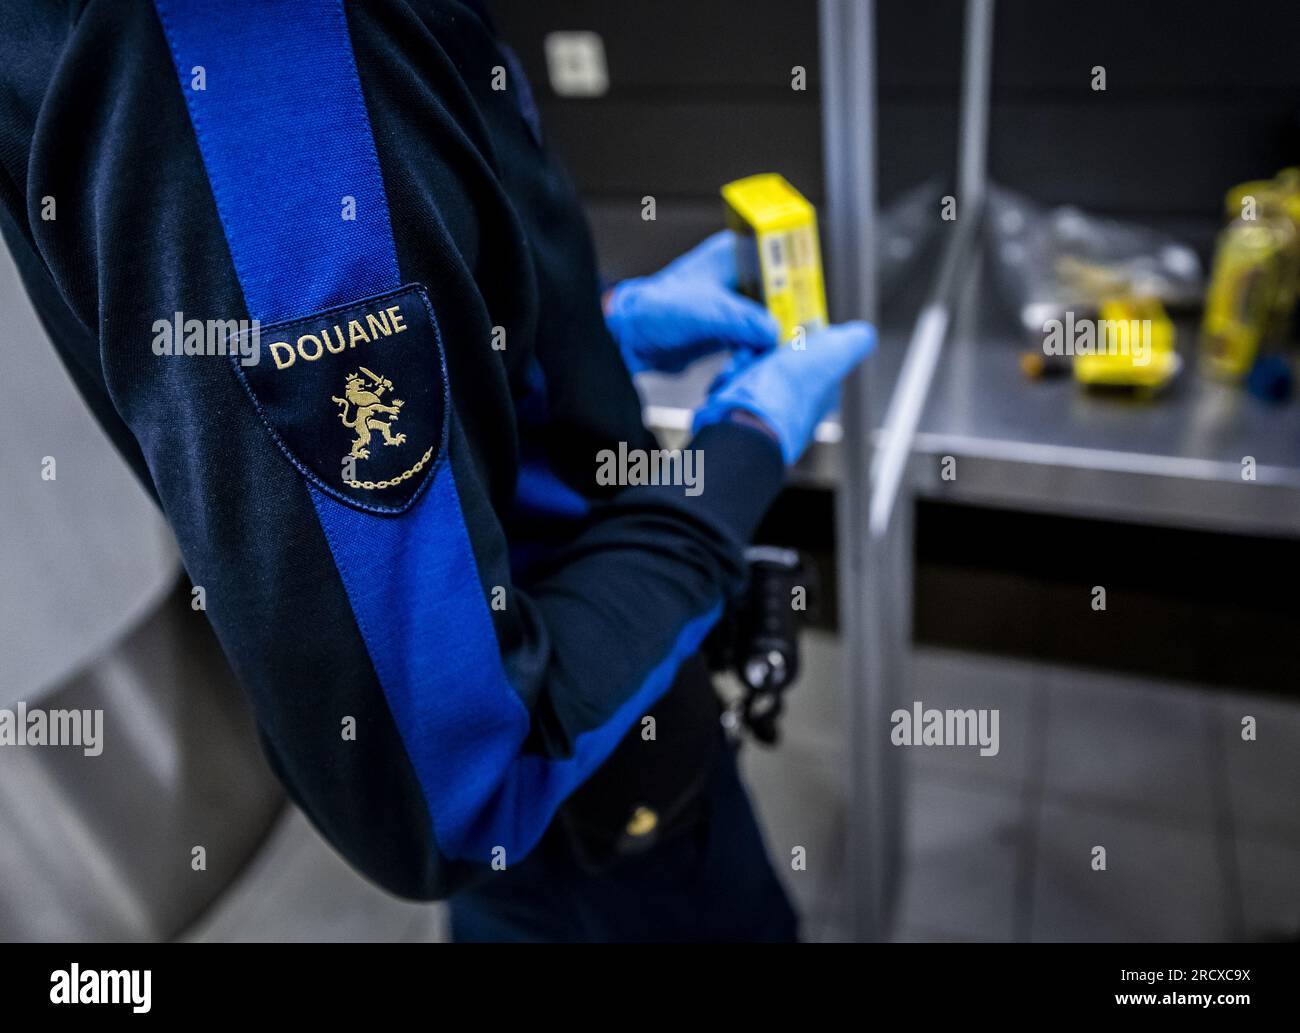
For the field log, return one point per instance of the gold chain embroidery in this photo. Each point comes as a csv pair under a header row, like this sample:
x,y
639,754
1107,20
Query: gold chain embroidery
x,y
405,475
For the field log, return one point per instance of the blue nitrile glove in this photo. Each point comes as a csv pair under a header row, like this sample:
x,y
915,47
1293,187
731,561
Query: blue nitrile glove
x,y
687,310
790,390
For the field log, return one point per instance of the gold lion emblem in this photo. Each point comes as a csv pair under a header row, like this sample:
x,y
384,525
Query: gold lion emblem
x,y
368,409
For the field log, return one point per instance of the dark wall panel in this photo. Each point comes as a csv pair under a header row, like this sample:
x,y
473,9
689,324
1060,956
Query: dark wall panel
x,y
700,94
676,45
1138,157
1177,48
672,147
1182,605
1199,95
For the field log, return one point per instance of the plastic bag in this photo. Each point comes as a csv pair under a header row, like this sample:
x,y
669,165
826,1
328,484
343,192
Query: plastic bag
x,y
1050,261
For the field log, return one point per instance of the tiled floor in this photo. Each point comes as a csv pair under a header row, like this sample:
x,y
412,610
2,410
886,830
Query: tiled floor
x,y
298,890
1201,830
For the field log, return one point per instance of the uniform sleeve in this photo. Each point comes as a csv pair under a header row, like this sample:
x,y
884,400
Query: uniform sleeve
x,y
429,712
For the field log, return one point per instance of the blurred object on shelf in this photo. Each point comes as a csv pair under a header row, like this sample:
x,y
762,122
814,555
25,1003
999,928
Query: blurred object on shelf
x,y
1038,366
778,259
1270,379
1134,346
1252,291
1050,262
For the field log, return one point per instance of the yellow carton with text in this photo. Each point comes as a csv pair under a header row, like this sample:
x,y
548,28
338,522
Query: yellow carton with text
x,y
778,257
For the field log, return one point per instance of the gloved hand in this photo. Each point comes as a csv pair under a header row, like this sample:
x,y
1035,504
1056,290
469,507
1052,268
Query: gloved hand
x,y
790,390
687,310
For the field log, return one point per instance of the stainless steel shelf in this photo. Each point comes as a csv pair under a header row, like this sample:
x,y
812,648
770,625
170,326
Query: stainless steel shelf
x,y
1049,445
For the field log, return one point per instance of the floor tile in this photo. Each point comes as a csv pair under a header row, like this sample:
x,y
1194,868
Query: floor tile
x,y
1264,775
1270,890
1161,883
1128,744
922,934
830,934
299,890
961,859
815,707
799,801
947,679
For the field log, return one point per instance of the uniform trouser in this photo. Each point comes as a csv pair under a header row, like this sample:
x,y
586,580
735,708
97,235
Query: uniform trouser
x,y
713,882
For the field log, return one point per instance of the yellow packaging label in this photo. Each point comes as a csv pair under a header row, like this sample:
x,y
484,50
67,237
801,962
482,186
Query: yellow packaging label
x,y
1244,285
1133,346
778,257
1253,285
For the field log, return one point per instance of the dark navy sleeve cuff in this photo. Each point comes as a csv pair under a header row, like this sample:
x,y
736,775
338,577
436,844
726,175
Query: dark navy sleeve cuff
x,y
743,472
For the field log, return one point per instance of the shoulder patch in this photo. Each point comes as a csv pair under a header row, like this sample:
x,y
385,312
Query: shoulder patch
x,y
356,397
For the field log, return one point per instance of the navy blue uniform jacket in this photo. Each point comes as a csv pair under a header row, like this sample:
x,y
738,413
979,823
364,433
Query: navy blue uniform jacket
x,y
395,514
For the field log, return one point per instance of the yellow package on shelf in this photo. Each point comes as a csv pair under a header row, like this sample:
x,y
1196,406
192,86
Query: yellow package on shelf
x,y
778,258
1253,285
1134,346
1246,282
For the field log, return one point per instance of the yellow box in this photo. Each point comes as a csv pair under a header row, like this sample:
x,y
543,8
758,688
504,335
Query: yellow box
x,y
778,257
1118,322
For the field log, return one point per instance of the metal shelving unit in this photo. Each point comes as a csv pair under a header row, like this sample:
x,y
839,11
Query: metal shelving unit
x,y
864,451
1048,446
945,382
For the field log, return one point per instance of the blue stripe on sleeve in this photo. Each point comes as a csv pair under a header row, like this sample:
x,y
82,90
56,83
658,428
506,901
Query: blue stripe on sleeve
x,y
430,637
285,138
